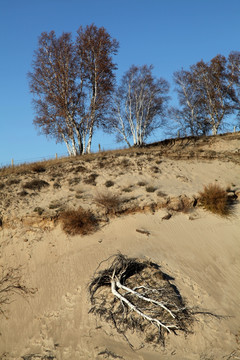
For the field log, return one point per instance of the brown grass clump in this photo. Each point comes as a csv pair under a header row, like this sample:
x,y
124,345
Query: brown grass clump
x,y
109,183
37,168
78,222
91,180
35,184
215,199
110,202
151,189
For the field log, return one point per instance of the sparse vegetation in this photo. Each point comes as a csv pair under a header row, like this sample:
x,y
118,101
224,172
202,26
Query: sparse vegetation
x,y
39,210
13,181
35,184
57,185
111,202
74,181
215,199
91,180
10,284
78,222
127,189
161,193
23,193
37,168
109,183
141,183
54,205
151,189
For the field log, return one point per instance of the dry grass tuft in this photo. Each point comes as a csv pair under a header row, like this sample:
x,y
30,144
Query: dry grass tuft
x,y
110,202
35,184
37,168
215,199
91,180
109,183
78,222
151,189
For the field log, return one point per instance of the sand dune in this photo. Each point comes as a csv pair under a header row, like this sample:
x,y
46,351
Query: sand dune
x,y
199,250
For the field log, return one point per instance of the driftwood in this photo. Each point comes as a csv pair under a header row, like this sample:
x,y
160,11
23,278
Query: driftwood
x,y
135,295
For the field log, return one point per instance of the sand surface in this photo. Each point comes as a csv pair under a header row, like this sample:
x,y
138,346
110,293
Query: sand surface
x,y
199,250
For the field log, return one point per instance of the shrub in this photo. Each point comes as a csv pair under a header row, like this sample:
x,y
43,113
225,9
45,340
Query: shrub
x,y
78,222
39,210
215,199
91,179
127,189
109,201
161,193
109,183
35,184
13,181
151,189
141,183
37,168
74,181
23,193
2,185
56,185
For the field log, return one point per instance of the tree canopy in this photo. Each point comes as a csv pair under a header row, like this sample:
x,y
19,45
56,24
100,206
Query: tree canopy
x,y
71,82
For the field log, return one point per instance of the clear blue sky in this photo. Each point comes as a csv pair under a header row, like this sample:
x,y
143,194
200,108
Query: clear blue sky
x,y
170,34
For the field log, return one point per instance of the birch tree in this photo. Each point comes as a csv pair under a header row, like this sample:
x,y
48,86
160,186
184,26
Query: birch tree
x,y
190,118
139,106
206,95
71,82
95,48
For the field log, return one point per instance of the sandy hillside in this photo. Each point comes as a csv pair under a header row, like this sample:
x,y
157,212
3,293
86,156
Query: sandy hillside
x,y
157,217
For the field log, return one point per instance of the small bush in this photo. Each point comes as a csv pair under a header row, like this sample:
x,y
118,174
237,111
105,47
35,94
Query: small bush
x,y
109,183
127,189
13,181
151,189
56,185
37,168
155,169
161,193
74,181
78,222
91,179
23,193
35,184
141,183
109,201
54,205
39,210
215,199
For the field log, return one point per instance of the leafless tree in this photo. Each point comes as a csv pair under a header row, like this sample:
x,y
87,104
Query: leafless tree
x,y
190,119
71,82
139,106
206,94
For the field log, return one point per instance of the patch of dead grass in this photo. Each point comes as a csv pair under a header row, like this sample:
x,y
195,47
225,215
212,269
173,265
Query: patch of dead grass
x,y
215,199
78,222
111,202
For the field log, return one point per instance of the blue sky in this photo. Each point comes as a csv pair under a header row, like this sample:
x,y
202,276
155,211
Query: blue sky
x,y
170,34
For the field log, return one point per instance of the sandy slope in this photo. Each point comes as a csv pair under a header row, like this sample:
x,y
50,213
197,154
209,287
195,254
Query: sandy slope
x,y
202,255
